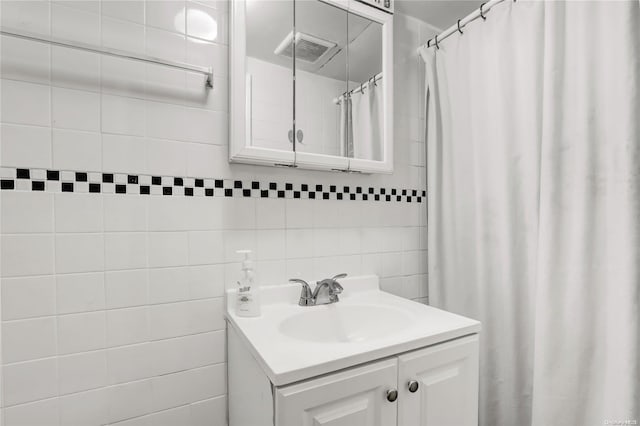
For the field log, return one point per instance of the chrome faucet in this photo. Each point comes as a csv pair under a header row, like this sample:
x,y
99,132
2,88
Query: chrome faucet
x,y
326,291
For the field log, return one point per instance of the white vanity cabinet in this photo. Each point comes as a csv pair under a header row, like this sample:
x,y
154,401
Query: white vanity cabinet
x,y
370,359
434,386
354,397
444,381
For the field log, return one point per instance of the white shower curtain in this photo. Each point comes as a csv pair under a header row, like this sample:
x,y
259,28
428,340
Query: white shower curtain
x,y
534,206
367,122
346,126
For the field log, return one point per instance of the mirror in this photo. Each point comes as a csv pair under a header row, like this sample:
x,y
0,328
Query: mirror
x,y
311,85
321,75
362,106
269,76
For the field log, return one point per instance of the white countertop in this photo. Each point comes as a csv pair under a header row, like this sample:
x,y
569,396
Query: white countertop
x,y
286,359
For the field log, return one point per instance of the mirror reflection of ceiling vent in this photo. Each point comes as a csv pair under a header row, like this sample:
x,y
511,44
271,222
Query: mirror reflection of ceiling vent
x,y
308,48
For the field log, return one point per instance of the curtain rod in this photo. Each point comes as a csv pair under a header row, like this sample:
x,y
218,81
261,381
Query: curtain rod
x,y
364,84
457,27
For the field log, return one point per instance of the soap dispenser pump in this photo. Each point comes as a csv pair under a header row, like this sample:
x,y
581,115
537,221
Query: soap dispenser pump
x,y
248,296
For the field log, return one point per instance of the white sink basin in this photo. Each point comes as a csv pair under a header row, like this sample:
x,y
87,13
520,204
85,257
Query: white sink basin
x,y
344,323
293,343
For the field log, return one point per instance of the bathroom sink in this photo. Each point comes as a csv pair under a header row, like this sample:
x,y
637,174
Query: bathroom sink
x,y
292,343
344,323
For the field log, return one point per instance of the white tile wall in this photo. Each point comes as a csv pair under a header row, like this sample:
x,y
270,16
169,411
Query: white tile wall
x,y
111,305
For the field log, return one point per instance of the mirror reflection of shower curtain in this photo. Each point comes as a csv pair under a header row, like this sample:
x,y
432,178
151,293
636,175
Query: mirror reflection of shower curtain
x,y
367,122
346,127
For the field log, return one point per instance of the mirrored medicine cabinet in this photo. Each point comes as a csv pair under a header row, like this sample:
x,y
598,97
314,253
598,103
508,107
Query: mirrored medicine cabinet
x,y
311,85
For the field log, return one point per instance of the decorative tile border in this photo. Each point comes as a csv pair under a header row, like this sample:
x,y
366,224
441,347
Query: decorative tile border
x,y
17,179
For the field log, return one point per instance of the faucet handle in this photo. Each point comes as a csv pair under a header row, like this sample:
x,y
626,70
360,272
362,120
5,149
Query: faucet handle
x,y
306,295
343,275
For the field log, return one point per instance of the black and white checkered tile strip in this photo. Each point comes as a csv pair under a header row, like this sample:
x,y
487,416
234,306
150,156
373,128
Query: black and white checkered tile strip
x,y
16,179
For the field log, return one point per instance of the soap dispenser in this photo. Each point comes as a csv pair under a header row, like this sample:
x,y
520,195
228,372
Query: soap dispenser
x,y
248,296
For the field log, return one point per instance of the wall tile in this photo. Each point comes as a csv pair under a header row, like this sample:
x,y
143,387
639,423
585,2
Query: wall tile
x,y
271,244
84,408
75,109
205,126
78,212
169,356
28,339
125,213
165,84
25,103
123,77
92,6
74,150
165,121
204,22
23,255
75,69
129,363
239,213
183,353
166,45
214,410
176,389
122,35
79,253
26,212
80,293
165,157
168,285
206,281
131,10
26,146
175,416
35,413
168,213
123,115
270,213
25,60
202,159
125,250
126,288
206,247
299,243
81,332
33,16
125,154
167,15
127,326
82,372
30,381
207,54
205,214
169,320
75,24
129,400
168,249
28,297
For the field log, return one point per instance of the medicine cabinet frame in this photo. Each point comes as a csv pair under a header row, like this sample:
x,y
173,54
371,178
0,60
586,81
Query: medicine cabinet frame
x,y
240,150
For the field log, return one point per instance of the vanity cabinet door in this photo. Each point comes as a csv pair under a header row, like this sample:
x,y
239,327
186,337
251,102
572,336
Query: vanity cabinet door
x,y
354,397
438,385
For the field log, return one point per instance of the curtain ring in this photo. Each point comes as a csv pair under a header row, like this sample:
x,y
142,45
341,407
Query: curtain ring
x,y
459,30
429,43
374,81
481,12
361,89
437,47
